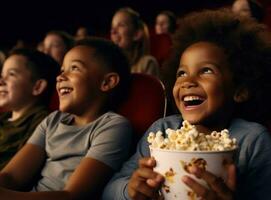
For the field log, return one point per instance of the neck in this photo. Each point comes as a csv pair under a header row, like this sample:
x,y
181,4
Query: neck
x,y
88,115
19,112
209,127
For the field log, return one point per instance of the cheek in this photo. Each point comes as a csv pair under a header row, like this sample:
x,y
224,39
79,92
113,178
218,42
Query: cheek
x,y
175,91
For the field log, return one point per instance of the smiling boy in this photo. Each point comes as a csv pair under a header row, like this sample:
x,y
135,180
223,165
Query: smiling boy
x,y
26,85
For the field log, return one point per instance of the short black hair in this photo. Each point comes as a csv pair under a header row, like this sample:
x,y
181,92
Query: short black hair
x,y
41,66
247,45
115,60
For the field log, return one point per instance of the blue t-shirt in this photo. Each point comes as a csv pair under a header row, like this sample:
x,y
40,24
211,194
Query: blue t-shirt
x,y
253,159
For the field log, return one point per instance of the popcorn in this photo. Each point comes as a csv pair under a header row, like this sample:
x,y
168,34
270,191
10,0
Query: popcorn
x,y
187,138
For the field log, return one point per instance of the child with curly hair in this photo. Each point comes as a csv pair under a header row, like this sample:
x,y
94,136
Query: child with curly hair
x,y
221,66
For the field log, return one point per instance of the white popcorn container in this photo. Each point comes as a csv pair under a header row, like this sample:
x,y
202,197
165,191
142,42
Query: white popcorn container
x,y
172,165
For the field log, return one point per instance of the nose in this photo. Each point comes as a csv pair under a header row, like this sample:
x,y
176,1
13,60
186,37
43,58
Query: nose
x,y
188,82
61,77
2,82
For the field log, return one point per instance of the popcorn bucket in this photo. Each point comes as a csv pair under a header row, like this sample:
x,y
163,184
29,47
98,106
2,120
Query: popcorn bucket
x,y
173,164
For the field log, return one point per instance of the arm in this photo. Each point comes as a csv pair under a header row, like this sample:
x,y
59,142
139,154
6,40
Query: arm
x,y
30,160
89,176
117,188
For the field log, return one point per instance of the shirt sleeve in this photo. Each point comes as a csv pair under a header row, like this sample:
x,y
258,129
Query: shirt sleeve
x,y
38,136
111,143
257,179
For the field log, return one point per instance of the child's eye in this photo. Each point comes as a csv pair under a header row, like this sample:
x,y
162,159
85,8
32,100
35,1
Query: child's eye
x,y
11,73
207,70
74,68
180,73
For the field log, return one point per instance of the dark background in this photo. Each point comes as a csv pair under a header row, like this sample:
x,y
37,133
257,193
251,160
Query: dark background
x,y
30,20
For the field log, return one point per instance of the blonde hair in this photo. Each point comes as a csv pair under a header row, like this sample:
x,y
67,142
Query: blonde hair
x,y
142,46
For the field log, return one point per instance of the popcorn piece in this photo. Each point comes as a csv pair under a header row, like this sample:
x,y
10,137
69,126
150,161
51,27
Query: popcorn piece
x,y
187,138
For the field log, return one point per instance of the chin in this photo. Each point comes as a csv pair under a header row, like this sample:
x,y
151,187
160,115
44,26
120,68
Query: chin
x,y
193,119
63,108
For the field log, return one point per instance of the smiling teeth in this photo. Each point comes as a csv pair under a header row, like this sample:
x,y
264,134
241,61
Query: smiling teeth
x,y
192,98
65,90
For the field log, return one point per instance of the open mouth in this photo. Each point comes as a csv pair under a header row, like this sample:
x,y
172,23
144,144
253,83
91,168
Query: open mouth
x,y
192,101
64,91
2,93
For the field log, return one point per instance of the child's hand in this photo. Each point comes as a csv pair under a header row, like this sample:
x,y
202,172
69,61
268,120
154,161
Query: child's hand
x,y
218,188
145,183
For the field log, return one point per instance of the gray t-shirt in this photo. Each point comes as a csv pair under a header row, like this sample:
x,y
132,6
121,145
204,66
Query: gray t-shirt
x,y
106,139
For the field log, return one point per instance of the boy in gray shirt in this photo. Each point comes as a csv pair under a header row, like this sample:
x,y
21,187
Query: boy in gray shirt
x,y
75,151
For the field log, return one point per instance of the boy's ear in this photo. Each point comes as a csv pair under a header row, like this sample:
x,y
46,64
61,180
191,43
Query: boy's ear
x,y
138,35
110,81
39,86
241,95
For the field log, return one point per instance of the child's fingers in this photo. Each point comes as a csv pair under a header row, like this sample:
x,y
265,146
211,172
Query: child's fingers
x,y
147,162
199,189
231,181
216,183
141,190
148,173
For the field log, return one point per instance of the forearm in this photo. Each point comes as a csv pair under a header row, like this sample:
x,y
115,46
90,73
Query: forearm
x,y
6,194
7,181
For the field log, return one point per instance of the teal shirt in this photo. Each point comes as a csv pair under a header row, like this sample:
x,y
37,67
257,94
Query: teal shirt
x,y
14,134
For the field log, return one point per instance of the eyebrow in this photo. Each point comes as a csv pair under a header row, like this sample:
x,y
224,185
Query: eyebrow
x,y
203,63
77,61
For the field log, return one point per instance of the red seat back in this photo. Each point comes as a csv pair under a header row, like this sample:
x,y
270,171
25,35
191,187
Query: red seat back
x,y
160,47
54,104
145,104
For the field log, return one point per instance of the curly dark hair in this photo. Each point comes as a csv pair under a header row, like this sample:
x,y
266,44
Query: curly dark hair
x,y
247,45
115,60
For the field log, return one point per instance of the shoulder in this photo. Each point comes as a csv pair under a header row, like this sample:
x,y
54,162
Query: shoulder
x,y
243,128
112,117
57,117
147,60
250,133
111,123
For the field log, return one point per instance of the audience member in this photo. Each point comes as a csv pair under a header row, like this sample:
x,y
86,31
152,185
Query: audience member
x,y
165,22
27,82
81,33
250,8
75,151
40,46
130,33
2,59
56,44
222,70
